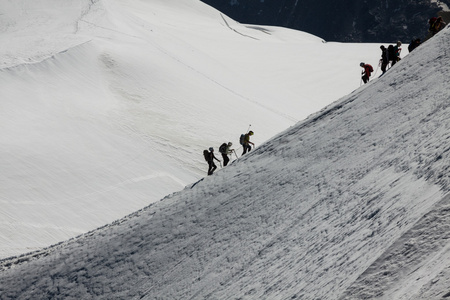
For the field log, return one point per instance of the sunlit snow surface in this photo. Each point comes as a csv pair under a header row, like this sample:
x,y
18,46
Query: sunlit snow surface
x,y
113,112
106,106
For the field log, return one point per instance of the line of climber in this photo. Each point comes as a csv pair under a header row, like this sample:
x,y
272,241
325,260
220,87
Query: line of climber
x,y
391,55
226,150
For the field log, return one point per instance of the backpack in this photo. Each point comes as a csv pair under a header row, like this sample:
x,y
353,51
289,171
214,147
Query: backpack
x,y
411,46
370,68
206,154
432,21
242,139
391,52
223,148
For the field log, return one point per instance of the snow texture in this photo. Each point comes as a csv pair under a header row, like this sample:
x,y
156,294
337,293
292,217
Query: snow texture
x,y
106,106
350,203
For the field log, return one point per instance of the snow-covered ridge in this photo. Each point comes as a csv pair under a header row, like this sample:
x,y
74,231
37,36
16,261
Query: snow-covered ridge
x,y
317,212
106,106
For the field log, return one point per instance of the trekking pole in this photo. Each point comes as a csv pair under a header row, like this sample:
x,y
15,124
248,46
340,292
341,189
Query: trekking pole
x,y
377,69
248,129
360,82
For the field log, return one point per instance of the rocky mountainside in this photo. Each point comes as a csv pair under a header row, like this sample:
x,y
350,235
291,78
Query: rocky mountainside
x,y
339,20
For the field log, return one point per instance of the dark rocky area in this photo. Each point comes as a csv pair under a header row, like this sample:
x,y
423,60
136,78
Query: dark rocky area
x,y
338,20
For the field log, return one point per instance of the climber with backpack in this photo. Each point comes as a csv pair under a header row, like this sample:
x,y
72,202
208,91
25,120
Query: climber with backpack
x,y
436,24
414,44
225,150
209,157
391,55
432,23
366,72
384,61
245,142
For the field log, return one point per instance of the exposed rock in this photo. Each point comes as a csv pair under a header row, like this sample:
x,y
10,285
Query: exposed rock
x,y
338,20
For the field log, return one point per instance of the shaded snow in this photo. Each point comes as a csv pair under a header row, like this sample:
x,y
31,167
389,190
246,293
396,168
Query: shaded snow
x,y
106,106
350,203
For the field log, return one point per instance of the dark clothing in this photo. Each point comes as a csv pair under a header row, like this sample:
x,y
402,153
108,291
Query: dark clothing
x,y
394,56
226,159
436,24
384,59
391,55
414,44
225,150
246,144
211,165
247,148
365,78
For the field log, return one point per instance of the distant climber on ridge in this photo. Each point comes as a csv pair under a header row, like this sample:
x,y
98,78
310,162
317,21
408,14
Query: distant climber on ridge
x,y
209,157
225,150
366,72
436,24
391,55
384,61
413,45
245,142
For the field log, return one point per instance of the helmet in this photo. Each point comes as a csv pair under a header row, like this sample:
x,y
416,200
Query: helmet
x,y
399,43
362,64
230,143
211,149
250,132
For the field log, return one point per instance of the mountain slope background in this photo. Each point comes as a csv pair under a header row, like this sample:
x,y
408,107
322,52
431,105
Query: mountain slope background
x,y
343,21
106,106
350,203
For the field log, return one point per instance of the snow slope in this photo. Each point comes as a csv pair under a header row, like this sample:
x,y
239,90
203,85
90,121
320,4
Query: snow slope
x,y
351,203
106,106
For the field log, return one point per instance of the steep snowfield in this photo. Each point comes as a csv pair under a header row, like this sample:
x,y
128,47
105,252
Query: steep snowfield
x,y
106,106
351,203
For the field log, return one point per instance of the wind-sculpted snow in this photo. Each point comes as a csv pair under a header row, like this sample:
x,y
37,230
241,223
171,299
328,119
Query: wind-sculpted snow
x,y
107,105
34,32
343,205
413,264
